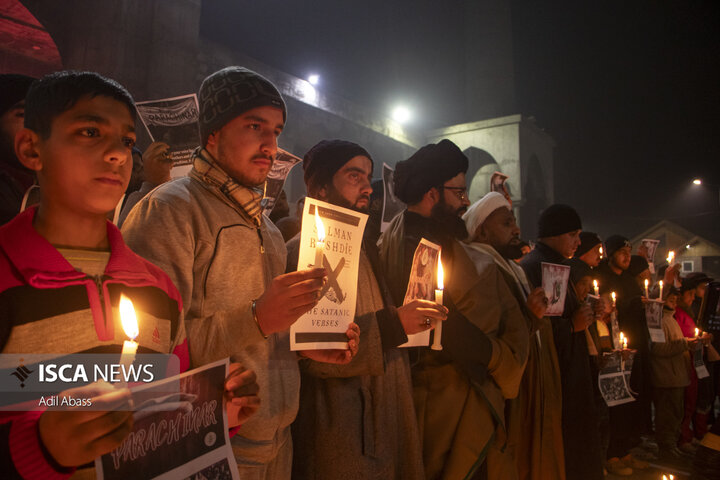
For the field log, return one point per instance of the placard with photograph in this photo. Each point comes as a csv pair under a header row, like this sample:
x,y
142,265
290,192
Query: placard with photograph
x,y
650,249
283,163
614,378
653,318
555,284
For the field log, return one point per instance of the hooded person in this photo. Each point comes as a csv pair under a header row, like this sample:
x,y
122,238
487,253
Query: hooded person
x,y
358,420
559,229
15,178
460,392
207,231
534,418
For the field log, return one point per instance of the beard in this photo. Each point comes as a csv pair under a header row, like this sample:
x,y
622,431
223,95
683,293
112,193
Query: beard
x,y
449,219
511,251
334,197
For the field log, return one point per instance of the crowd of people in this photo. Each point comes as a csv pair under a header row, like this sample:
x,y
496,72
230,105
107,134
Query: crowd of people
x,y
513,394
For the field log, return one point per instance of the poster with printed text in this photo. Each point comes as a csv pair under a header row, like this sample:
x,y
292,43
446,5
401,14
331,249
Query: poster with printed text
x,y
614,378
175,122
341,231
497,184
555,284
650,246
422,284
391,204
283,163
176,435
653,317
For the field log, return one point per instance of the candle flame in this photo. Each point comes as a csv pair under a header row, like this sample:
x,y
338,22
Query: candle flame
x,y
613,296
601,252
671,256
440,277
595,284
697,332
320,226
128,318
660,283
647,282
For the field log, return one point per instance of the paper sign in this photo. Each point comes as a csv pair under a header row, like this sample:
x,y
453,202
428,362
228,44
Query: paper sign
x,y
283,163
175,122
653,318
555,284
650,249
497,184
176,434
421,284
614,378
324,326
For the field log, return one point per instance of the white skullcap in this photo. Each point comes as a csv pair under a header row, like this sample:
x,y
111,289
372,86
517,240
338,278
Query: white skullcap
x,y
480,210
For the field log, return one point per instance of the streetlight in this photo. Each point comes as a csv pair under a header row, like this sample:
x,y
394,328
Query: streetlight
x,y
401,114
314,79
697,181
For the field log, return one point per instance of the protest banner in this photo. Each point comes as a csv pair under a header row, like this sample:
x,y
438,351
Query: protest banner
x,y
175,122
180,434
497,184
391,204
283,163
331,237
555,284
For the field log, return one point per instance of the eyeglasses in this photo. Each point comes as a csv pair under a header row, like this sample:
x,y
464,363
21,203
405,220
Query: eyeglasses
x,y
461,192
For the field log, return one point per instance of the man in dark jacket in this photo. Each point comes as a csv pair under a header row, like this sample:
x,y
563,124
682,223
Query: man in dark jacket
x,y
358,421
460,392
559,229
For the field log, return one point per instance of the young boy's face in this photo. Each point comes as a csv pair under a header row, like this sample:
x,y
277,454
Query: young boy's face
x,y
85,163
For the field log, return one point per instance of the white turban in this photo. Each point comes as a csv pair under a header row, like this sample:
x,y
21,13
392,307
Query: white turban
x,y
480,210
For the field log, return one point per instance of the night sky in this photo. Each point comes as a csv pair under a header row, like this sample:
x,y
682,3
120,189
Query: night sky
x,y
630,91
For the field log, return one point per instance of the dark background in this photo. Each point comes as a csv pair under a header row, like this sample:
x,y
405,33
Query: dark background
x,y
628,90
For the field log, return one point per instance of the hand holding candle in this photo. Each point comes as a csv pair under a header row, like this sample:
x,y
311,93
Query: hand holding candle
x,y
670,257
320,244
437,338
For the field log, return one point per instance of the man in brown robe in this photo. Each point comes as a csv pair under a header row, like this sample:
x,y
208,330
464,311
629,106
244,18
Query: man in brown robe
x,y
533,419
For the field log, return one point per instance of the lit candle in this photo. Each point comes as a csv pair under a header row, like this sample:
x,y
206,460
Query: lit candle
x,y
436,345
320,244
130,325
614,299
597,289
697,332
623,341
601,252
647,282
661,285
670,257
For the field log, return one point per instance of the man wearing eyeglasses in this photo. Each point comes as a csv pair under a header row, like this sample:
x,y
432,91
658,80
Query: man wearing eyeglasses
x,y
459,392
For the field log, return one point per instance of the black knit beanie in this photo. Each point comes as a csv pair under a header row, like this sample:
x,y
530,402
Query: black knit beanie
x,y
13,88
587,241
638,264
231,92
615,243
323,161
558,219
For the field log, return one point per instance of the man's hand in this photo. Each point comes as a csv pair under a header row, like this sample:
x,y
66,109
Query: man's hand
x,y
413,315
287,298
671,273
582,318
75,437
241,391
337,356
157,163
537,302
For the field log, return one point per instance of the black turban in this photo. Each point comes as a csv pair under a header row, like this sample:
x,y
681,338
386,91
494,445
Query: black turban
x,y
587,241
638,265
429,167
558,219
323,161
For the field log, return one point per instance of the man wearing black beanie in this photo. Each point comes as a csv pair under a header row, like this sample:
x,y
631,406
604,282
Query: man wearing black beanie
x,y
590,249
630,420
332,417
559,229
460,392
15,179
